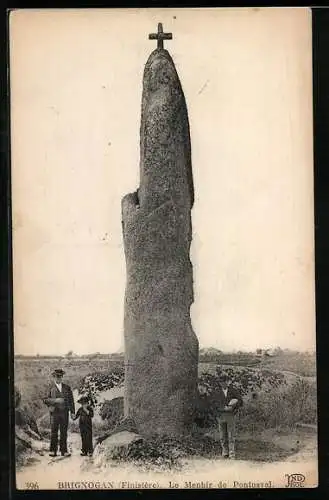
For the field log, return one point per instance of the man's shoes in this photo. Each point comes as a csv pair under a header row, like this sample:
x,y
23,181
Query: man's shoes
x,y
52,454
225,454
66,454
90,454
83,454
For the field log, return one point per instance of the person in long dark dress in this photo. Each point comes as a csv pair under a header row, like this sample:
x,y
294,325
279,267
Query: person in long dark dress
x,y
85,415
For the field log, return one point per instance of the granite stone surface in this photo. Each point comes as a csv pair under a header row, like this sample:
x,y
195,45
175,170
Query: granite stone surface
x,y
161,348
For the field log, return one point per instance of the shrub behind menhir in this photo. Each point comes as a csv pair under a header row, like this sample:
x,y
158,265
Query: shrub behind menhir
x,y
269,402
112,412
281,408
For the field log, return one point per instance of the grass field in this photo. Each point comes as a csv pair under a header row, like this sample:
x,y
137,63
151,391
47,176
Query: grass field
x,y
303,364
33,374
279,394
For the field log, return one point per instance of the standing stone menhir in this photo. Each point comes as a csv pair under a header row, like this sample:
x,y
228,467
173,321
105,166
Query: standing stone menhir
x,y
161,348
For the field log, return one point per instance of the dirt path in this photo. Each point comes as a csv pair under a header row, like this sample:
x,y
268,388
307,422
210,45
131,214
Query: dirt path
x,y
57,473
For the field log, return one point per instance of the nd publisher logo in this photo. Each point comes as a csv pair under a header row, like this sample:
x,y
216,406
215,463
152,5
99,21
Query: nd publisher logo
x,y
295,480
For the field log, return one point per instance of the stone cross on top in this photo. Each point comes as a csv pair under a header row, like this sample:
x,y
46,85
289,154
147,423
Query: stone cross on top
x,y
160,36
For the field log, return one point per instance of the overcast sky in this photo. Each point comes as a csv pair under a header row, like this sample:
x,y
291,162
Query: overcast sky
x,y
76,81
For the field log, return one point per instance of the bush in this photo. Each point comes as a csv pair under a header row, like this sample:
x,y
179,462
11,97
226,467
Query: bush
x,y
249,383
147,453
112,412
269,402
23,416
281,408
165,452
100,381
246,380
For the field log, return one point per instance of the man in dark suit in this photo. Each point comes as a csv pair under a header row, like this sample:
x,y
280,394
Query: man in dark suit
x,y
60,402
227,402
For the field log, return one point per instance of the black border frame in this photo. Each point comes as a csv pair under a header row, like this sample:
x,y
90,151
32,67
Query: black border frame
x,y
321,181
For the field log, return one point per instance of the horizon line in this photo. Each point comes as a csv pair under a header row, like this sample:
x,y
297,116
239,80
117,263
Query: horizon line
x,y
224,351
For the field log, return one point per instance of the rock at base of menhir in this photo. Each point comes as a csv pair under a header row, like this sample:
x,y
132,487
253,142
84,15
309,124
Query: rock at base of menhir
x,y
115,447
121,425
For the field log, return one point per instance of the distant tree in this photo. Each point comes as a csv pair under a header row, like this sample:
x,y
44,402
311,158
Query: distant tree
x,y
69,354
259,351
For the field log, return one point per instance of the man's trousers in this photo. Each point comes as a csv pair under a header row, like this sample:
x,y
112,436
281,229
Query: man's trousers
x,y
227,432
59,421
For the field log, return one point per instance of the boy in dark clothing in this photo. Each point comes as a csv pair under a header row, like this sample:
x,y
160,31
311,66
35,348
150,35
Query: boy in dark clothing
x,y
85,414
